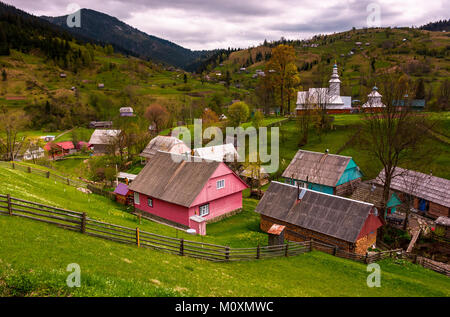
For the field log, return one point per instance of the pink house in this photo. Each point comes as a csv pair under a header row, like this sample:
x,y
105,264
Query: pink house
x,y
187,190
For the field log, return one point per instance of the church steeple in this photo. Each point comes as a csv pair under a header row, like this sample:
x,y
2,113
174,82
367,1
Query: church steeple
x,y
335,82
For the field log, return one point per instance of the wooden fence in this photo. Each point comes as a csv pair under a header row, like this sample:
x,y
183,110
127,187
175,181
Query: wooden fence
x,y
80,222
47,174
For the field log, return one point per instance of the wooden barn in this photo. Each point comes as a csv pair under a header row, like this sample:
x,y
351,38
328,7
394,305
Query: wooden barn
x,y
323,172
187,191
299,214
429,194
101,139
123,194
443,225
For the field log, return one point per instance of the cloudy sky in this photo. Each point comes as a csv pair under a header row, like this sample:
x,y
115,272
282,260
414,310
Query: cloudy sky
x,y
208,24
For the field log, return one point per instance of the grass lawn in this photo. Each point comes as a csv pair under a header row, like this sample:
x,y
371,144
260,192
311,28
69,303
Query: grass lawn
x,y
34,257
245,226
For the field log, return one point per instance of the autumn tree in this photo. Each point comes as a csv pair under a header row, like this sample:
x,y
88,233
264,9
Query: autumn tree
x,y
158,115
281,67
209,118
238,113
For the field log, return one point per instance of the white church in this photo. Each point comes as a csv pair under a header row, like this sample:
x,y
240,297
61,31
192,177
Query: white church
x,y
327,97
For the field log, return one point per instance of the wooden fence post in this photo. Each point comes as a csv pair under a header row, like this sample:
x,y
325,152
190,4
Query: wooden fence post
x,y
83,223
258,252
48,174
29,169
182,247
13,166
68,181
286,249
366,258
8,197
227,253
138,242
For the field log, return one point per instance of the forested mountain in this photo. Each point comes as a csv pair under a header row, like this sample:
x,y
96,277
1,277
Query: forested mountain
x,y
442,25
105,28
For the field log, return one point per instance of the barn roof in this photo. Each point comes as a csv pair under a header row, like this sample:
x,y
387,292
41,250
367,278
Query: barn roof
x,y
103,136
175,182
443,221
334,216
318,168
163,143
431,188
221,152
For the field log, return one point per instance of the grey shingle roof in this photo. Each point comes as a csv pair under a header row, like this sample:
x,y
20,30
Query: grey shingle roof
x,y
319,168
175,182
431,188
334,216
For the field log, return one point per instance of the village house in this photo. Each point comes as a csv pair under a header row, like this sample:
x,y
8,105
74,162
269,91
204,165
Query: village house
x,y
299,214
100,124
187,191
428,194
162,143
328,97
34,152
221,153
371,193
102,139
82,145
60,149
126,112
323,172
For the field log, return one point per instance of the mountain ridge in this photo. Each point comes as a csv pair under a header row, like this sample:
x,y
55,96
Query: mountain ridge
x,y
103,27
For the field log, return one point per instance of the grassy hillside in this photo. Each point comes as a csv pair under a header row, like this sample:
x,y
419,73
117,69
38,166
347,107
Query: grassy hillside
x,y
34,256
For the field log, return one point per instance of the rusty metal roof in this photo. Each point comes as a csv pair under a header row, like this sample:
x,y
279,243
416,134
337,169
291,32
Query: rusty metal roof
x,y
177,179
276,229
331,215
431,188
317,167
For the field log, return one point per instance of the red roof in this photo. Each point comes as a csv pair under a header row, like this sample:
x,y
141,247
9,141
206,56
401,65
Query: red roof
x,y
67,145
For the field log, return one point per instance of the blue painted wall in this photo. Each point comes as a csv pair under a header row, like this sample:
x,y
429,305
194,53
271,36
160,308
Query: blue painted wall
x,y
351,172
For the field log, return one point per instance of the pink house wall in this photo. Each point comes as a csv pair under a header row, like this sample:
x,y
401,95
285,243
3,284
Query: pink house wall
x,y
163,209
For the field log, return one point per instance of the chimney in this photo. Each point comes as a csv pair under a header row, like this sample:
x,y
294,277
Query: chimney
x,y
431,173
327,151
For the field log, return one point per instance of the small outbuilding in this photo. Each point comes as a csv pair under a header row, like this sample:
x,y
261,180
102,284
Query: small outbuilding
x,y
221,153
123,195
126,112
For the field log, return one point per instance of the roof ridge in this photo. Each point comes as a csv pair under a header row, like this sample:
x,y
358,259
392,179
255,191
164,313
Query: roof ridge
x,y
315,191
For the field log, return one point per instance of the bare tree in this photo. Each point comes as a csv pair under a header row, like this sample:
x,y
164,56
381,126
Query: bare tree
x,y
391,133
11,123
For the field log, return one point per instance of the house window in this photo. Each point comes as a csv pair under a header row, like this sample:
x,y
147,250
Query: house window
x,y
204,210
220,184
136,198
150,202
